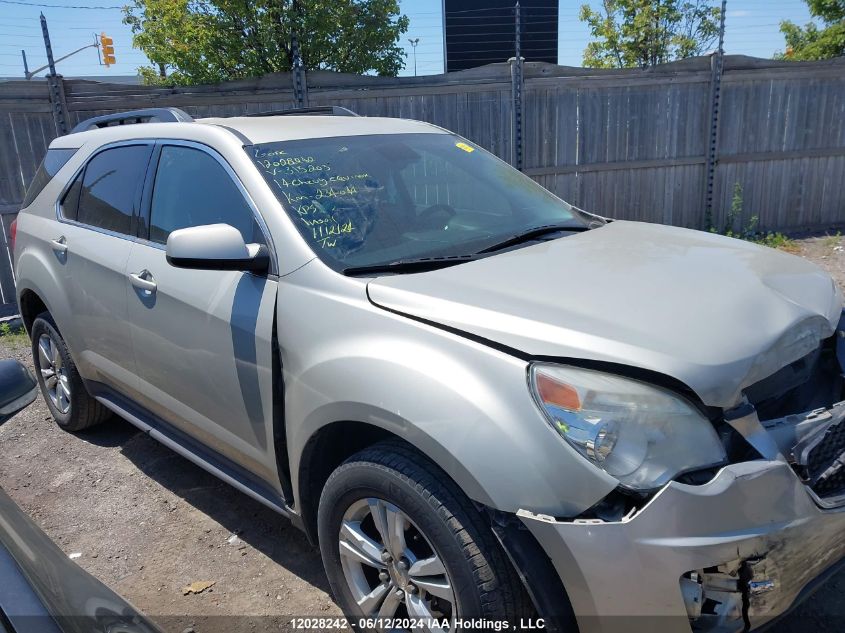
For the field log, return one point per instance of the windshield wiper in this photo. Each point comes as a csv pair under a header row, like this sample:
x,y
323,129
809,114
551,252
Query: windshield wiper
x,y
433,263
533,234
410,265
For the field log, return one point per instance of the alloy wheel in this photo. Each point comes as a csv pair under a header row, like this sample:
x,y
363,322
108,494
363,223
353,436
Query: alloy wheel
x,y
391,568
54,373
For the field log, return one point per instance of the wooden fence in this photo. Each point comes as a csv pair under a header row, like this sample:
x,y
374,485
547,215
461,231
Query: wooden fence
x,y
629,144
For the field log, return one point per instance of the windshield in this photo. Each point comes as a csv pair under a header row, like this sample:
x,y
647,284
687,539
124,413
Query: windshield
x,y
367,200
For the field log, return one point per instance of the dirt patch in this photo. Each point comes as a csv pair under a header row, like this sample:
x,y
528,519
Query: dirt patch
x,y
149,523
828,252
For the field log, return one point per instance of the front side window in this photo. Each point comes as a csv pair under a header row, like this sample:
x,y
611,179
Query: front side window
x,y
374,199
111,188
193,189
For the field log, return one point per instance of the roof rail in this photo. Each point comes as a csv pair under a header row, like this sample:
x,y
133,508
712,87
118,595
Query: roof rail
x,y
147,115
317,110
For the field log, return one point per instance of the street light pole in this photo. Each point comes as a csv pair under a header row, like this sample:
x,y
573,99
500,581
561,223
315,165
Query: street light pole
x,y
414,43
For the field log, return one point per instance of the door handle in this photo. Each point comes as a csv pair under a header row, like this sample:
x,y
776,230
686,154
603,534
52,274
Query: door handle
x,y
143,280
59,245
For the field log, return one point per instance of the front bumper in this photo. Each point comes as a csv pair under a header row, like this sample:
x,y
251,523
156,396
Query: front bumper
x,y
752,536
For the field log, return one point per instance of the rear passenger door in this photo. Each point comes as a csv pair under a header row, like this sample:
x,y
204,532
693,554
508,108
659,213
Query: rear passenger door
x,y
92,242
203,338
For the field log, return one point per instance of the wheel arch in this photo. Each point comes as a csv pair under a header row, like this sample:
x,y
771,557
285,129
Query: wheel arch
x,y
30,305
39,289
333,443
326,449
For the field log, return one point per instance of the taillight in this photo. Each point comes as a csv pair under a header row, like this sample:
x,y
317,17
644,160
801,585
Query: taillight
x,y
13,233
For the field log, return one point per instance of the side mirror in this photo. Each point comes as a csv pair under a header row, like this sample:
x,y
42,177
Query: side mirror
x,y
18,388
215,247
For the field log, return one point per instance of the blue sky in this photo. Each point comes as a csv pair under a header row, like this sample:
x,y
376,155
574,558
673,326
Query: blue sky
x,y
752,29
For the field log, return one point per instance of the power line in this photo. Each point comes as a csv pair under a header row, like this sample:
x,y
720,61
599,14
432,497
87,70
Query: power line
x,y
473,42
533,51
104,19
479,10
54,6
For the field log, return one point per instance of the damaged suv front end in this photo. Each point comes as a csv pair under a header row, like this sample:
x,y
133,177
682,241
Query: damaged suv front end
x,y
700,373
655,405
727,547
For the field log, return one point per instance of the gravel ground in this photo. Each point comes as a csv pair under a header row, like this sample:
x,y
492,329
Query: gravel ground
x,y
148,522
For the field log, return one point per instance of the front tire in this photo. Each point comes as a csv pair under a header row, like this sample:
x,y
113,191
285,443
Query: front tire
x,y
71,406
400,540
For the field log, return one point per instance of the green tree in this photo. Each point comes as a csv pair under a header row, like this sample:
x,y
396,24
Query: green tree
x,y
206,41
643,33
812,41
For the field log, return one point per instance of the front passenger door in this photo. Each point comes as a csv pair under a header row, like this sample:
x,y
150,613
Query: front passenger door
x,y
202,339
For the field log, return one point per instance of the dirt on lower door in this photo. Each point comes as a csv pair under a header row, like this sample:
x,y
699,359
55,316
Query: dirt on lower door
x,y
151,525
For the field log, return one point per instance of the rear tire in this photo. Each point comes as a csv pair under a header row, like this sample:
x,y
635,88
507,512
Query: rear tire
x,y
71,406
441,526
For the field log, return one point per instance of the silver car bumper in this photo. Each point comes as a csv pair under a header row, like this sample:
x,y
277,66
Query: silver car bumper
x,y
735,552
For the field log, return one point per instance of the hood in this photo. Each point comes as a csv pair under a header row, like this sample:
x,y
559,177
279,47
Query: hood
x,y
716,313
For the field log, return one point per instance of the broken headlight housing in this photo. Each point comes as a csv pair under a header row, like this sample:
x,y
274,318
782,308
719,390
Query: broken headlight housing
x,y
642,435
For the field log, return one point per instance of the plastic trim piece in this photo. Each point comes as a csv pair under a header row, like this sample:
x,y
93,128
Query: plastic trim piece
x,y
316,110
204,457
147,115
535,570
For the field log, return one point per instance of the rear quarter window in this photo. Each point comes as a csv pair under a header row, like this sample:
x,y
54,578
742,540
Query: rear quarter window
x,y
52,163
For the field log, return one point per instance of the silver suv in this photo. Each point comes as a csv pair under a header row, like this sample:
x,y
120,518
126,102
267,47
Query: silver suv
x,y
479,400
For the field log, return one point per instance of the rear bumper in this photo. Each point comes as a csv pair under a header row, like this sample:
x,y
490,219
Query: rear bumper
x,y
754,521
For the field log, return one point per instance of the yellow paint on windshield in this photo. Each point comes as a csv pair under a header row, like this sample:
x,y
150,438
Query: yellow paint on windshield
x,y
465,147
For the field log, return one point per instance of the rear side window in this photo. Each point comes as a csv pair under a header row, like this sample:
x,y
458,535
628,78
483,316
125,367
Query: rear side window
x,y
52,163
111,187
193,189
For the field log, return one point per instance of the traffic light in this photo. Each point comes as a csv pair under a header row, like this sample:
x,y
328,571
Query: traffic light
x,y
107,48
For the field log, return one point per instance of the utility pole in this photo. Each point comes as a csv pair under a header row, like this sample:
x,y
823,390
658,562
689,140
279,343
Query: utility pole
x,y
516,89
414,43
716,66
25,65
56,92
300,87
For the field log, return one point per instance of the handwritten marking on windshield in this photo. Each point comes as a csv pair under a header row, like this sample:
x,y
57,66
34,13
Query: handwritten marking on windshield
x,y
326,235
326,202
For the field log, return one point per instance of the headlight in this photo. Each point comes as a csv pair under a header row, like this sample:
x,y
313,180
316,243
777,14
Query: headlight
x,y
639,434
